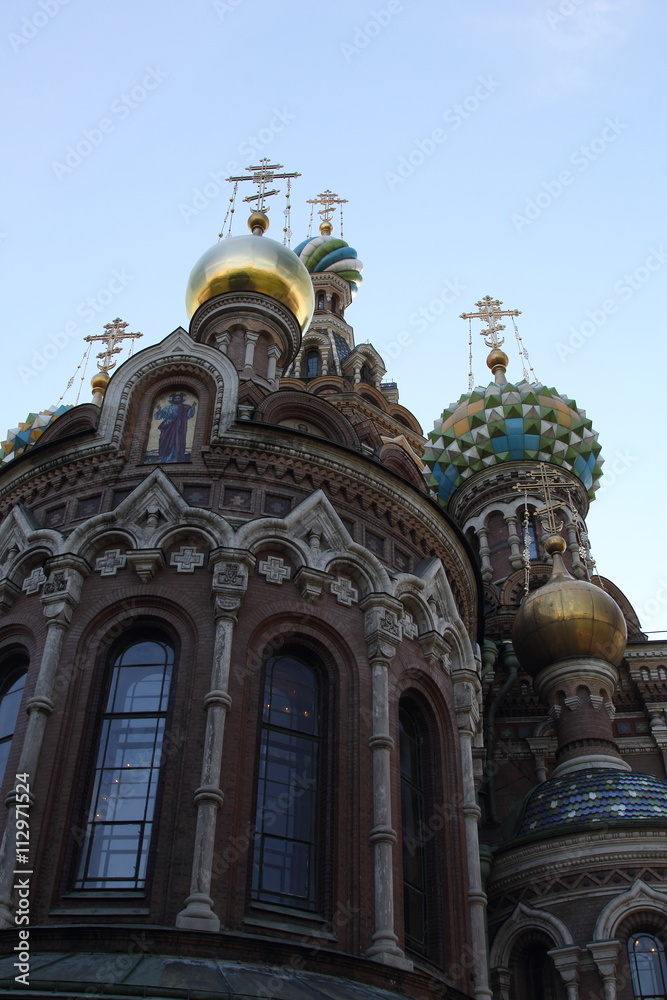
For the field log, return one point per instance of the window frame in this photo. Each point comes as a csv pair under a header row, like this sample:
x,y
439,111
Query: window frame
x,y
637,988
14,666
139,632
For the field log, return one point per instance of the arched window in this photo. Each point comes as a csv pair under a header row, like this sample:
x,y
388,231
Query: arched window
x,y
320,300
120,822
334,303
312,363
11,692
534,975
285,860
365,374
412,815
648,966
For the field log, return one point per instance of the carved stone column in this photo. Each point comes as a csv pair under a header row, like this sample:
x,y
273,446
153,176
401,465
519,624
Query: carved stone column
x,y
605,955
516,558
230,581
251,339
60,597
567,961
274,354
383,635
485,554
466,690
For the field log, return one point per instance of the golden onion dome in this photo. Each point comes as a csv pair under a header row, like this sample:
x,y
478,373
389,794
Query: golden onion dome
x,y
567,617
252,264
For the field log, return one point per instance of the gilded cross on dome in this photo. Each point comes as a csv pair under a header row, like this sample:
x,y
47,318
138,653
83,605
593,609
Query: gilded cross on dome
x,y
113,334
489,311
262,175
543,481
328,200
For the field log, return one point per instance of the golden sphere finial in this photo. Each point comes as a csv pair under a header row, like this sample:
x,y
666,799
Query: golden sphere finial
x,y
326,228
555,543
497,360
99,381
258,223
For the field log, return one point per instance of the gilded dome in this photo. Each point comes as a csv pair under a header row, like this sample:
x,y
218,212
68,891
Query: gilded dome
x,y
567,617
505,422
252,264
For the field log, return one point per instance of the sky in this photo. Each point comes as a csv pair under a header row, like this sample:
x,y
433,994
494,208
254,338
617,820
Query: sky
x,y
512,149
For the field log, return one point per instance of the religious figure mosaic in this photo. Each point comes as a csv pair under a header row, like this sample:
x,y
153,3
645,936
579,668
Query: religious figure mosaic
x,y
172,428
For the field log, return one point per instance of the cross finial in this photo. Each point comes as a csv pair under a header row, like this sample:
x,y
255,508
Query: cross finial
x,y
328,200
544,479
262,175
489,311
113,334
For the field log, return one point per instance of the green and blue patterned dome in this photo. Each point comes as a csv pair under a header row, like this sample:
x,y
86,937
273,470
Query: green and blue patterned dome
x,y
29,431
599,796
510,422
327,253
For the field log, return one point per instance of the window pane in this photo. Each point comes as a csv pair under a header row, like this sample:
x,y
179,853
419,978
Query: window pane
x,y
10,702
648,965
284,862
412,813
128,769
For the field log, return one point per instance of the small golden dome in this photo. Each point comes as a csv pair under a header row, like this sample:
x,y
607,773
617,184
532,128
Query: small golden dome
x,y
567,617
252,264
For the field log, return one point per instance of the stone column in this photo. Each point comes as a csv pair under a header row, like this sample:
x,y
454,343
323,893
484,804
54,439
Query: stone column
x,y
566,961
60,597
466,688
485,554
516,558
578,568
251,339
222,341
230,581
383,635
274,354
605,955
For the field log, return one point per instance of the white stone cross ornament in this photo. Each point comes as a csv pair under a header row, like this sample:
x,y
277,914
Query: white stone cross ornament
x,y
32,583
344,591
110,562
187,559
275,570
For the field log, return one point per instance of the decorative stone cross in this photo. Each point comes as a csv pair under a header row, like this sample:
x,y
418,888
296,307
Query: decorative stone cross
x,y
275,570
110,562
409,626
187,559
32,583
344,591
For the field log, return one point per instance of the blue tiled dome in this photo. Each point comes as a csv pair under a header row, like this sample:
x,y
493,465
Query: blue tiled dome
x,y
594,795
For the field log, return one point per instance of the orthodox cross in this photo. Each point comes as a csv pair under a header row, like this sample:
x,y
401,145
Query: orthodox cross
x,y
328,200
113,335
543,481
262,175
489,311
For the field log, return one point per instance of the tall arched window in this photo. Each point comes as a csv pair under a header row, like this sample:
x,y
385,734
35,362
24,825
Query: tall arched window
x,y
285,861
648,966
412,815
120,822
312,363
11,692
320,300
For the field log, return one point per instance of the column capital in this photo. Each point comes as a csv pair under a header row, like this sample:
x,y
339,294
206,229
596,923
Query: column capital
x,y
62,590
382,627
231,569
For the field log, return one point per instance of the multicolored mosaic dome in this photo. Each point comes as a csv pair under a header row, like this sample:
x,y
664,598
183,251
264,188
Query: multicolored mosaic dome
x,y
28,432
326,253
594,795
502,423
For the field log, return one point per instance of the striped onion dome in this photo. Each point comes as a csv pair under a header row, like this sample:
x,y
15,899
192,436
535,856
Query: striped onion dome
x,y
326,253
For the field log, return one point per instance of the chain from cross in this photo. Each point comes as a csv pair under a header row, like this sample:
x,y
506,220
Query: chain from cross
x,y
262,175
328,200
544,480
489,311
113,335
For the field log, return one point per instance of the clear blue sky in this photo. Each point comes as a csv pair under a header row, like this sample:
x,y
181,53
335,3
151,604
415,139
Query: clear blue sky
x,y
515,149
